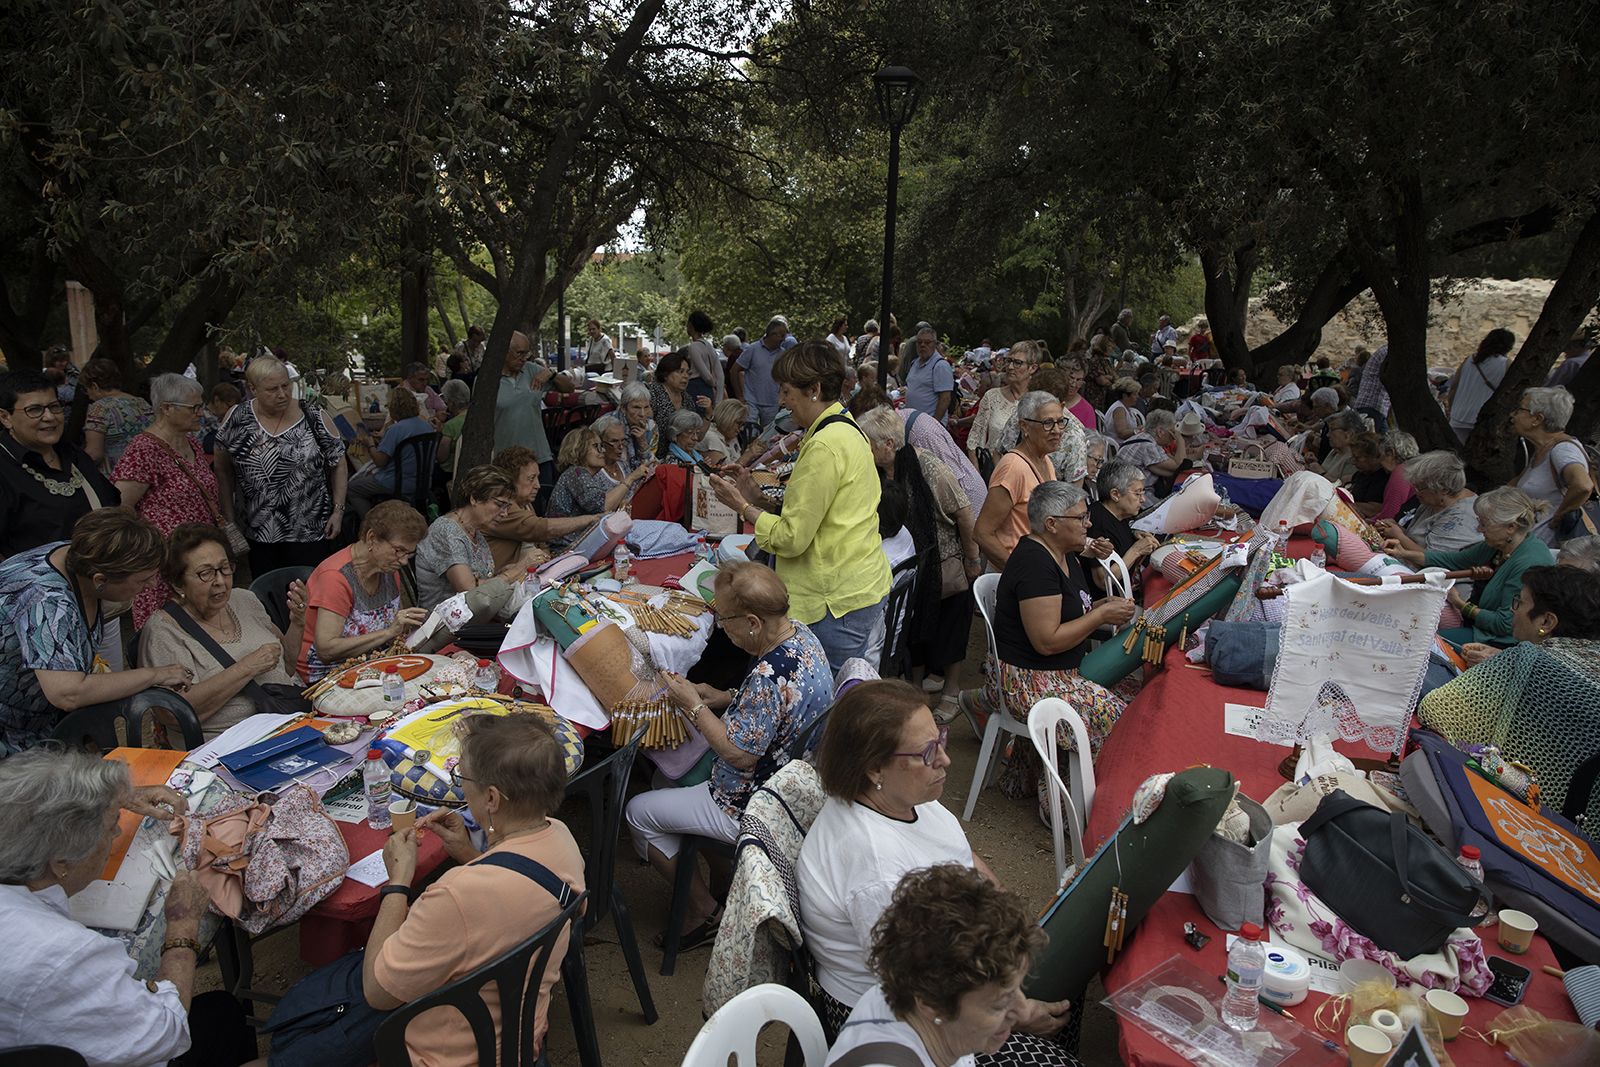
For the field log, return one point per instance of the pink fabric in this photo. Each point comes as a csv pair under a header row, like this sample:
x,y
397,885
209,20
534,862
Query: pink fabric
x,y
1083,411
172,499
1176,720
1395,493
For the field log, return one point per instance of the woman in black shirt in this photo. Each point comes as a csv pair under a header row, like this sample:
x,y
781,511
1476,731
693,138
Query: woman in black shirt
x,y
1045,614
1121,497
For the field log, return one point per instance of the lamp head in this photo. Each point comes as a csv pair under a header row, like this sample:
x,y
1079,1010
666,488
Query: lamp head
x,y
898,91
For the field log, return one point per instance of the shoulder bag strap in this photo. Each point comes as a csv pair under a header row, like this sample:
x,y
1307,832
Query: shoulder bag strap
x,y
1331,807
538,872
211,505
911,420
263,699
1400,841
840,416
879,1054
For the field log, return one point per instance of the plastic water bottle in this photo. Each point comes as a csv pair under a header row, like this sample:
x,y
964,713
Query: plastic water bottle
x,y
1470,859
487,678
394,688
1319,555
1283,532
530,583
1247,961
621,563
702,551
375,777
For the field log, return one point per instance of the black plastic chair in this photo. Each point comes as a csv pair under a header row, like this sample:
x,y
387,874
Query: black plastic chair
x,y
689,849
516,975
272,589
423,448
605,786
1579,788
97,724
810,736
895,660
42,1056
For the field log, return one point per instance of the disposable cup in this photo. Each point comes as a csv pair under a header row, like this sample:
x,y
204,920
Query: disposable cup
x,y
1516,931
1368,1046
1448,1009
402,815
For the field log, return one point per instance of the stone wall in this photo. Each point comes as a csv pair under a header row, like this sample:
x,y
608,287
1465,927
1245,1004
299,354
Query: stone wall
x,y
1476,307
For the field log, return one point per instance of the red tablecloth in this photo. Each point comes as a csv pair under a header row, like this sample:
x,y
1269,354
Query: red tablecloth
x,y
1176,722
657,571
343,920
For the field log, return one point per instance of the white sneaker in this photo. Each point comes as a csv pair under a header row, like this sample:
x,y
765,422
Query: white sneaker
x,y
933,683
946,711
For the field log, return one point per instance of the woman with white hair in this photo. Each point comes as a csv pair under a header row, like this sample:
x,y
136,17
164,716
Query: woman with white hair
x,y
642,430
1558,467
457,395
1582,552
997,406
684,431
1336,462
1046,611
941,518
1507,518
71,986
1394,449
1158,449
285,462
163,474
1004,519
1444,519
1098,450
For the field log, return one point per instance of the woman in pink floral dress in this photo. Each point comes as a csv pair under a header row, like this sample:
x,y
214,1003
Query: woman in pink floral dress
x,y
163,474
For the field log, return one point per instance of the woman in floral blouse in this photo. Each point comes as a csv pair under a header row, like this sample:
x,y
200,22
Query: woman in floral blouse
x,y
789,686
114,417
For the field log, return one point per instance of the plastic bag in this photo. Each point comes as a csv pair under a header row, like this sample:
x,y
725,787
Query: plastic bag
x,y
1532,1038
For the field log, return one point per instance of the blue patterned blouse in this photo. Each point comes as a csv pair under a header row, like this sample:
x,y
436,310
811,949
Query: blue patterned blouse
x,y
41,629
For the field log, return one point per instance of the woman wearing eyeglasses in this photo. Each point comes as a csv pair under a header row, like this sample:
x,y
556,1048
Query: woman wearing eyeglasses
x,y
998,405
199,568
163,474
455,556
45,485
353,603
1004,518
1045,613
883,764
750,730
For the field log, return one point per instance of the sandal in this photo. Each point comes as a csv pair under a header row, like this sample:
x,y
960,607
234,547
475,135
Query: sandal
x,y
703,934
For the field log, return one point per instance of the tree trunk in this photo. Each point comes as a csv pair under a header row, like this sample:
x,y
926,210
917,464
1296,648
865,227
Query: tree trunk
x,y
22,327
438,305
520,292
205,310
110,304
1228,278
1490,448
414,346
1332,293
461,304
1586,411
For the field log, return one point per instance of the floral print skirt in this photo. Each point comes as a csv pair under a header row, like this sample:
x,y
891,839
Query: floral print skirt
x,y
1021,688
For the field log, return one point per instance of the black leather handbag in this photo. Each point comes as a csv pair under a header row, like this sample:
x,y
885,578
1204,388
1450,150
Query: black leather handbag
x,y
1385,877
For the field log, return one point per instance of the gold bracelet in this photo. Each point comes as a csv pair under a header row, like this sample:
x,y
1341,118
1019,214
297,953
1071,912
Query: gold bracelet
x,y
180,942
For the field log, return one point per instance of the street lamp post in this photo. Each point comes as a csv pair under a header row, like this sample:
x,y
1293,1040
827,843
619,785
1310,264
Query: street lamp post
x,y
898,91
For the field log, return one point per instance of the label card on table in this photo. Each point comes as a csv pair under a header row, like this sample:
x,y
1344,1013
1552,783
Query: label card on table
x,y
1242,720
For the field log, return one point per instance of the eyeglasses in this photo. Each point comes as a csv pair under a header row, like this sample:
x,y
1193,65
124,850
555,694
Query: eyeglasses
x,y
195,409
402,551
503,506
36,411
456,777
931,750
1049,424
1081,517
209,574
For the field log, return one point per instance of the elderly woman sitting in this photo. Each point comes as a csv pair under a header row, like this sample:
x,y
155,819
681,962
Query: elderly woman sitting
x,y
883,765
456,395
53,602
455,556
950,997
642,429
1121,488
1045,613
787,688
1558,468
514,776
1159,450
71,986
1124,418
1098,450
1444,519
220,632
721,443
1506,517
522,529
353,597
685,430
1331,457
584,487
1397,494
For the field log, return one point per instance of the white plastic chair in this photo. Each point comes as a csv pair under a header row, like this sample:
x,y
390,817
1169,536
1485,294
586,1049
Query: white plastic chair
x,y
1118,581
985,591
735,1026
1043,719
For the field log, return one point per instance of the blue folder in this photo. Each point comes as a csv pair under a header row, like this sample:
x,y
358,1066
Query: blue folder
x,y
268,764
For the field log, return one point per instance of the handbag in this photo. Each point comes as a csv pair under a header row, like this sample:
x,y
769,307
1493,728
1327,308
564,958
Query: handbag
x,y
1228,876
1242,466
1242,653
276,697
1385,878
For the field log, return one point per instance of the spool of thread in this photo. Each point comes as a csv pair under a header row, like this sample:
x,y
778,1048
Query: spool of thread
x,y
1286,978
1389,1023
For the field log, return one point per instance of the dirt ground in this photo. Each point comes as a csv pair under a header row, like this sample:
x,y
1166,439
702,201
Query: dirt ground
x,y
1008,834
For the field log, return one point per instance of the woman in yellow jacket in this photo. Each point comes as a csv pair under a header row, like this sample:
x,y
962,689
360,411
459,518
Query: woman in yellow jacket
x,y
826,541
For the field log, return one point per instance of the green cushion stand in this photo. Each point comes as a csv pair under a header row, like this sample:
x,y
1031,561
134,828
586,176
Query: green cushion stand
x,y
1151,855
1109,664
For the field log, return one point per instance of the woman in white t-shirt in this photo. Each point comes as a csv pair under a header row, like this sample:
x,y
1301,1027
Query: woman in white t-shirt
x,y
1558,469
1476,380
883,764
950,954
597,355
1124,419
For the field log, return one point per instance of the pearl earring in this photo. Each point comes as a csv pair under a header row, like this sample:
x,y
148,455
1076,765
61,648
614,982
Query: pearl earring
x,y
938,1021
880,785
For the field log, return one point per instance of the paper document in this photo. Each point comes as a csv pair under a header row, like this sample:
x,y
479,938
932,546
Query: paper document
x,y
1241,720
369,870
350,808
241,735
